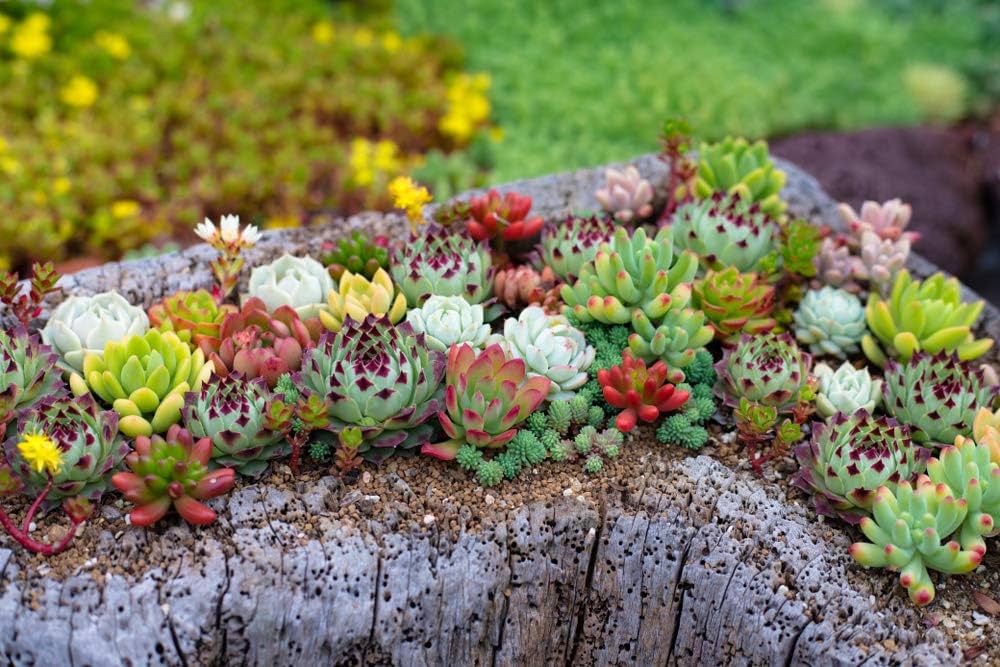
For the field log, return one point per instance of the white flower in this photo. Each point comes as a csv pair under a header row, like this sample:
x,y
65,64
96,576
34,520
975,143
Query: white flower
x,y
206,231
846,390
230,226
449,320
250,236
299,282
84,324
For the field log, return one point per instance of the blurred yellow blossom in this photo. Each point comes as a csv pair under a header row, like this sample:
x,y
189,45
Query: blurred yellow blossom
x,y
369,160
9,165
113,43
124,208
410,197
41,453
322,32
386,156
392,42
31,38
61,185
37,21
467,106
284,221
4,24
79,92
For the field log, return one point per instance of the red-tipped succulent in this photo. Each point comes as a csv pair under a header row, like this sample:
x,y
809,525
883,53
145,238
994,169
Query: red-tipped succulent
x,y
641,393
172,472
261,344
504,216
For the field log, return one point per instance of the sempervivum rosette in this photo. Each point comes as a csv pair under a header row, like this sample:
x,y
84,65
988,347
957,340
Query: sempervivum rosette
x,y
232,412
830,321
768,369
568,245
444,263
83,325
380,378
850,456
27,373
725,230
88,441
550,347
937,396
299,282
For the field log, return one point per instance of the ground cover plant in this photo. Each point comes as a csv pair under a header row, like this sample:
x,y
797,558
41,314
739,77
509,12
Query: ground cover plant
x,y
553,342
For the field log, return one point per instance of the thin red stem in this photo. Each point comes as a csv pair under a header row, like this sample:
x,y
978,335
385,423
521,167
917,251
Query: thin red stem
x,y
35,505
22,537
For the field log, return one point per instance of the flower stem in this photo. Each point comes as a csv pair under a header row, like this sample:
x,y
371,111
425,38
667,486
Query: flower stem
x,y
21,535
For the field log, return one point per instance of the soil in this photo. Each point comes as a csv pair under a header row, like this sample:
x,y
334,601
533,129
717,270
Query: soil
x,y
950,175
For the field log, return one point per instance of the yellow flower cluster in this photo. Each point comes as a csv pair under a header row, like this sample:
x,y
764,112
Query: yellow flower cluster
x,y
410,197
367,160
80,92
323,32
122,209
41,453
113,44
468,107
31,38
9,164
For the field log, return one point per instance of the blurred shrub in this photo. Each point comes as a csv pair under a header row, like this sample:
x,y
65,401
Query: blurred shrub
x,y
122,121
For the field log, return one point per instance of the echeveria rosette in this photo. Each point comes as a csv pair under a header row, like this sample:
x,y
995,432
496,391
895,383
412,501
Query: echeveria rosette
x,y
626,195
449,320
846,390
357,297
938,396
850,457
144,379
550,347
172,472
926,316
769,369
232,412
89,444
967,469
27,373
195,317
83,325
640,392
736,166
299,282
443,263
257,343
631,272
886,220
734,303
830,321
568,245
380,378
726,230
486,396
907,533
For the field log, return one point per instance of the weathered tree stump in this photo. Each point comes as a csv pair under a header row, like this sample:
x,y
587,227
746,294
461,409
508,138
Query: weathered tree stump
x,y
681,561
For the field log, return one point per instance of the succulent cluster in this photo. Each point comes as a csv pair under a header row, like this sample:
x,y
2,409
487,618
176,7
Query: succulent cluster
x,y
26,373
505,218
769,369
521,286
357,253
626,195
196,317
735,303
568,245
443,263
83,325
886,221
298,282
846,390
639,392
446,321
830,321
357,297
725,230
735,166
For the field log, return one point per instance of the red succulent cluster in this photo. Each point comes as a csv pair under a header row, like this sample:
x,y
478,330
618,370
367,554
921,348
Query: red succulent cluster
x,y
506,216
641,393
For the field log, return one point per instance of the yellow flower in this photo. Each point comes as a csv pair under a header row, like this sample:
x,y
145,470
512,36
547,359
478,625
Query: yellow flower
x,y
410,197
113,43
386,156
61,185
37,21
4,24
30,39
467,108
9,165
391,42
456,125
124,208
41,453
80,92
322,32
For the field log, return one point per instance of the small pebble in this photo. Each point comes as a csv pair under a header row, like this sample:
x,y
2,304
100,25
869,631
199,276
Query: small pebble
x,y
32,527
489,499
165,608
567,492
128,519
428,519
367,477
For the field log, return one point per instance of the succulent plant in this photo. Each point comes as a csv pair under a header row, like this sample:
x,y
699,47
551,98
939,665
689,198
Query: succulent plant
x,y
550,347
882,259
88,440
938,396
486,396
357,297
734,303
232,412
887,221
769,369
443,263
735,166
908,530
626,195
986,430
299,282
260,344
830,321
520,286
968,471
924,316
357,253
725,230
449,320
27,373
639,392
195,317
836,266
800,244
506,217
83,325
570,244
144,379
172,472
631,273
846,390
380,378
850,457
675,339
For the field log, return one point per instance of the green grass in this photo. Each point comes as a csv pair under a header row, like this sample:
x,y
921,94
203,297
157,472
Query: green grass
x,y
581,82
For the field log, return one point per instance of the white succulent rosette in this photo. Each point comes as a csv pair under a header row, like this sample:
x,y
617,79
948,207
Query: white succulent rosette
x,y
449,320
830,321
550,347
299,282
85,324
846,390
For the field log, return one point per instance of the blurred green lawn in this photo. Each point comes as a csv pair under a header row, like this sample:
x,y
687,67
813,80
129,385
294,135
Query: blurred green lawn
x,y
581,82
